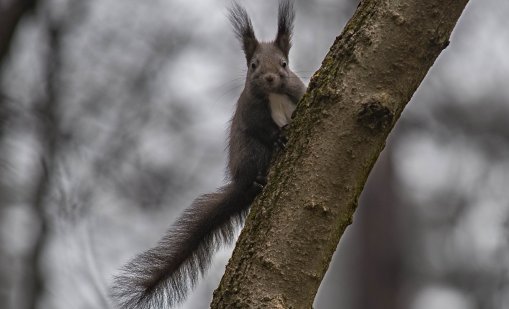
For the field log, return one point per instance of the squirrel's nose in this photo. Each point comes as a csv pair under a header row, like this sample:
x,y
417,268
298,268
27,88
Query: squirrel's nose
x,y
269,78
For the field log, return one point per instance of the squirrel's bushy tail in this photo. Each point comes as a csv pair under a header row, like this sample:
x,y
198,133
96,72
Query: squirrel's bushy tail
x,y
159,277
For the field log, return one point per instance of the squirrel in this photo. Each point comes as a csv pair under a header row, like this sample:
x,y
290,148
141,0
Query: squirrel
x,y
160,277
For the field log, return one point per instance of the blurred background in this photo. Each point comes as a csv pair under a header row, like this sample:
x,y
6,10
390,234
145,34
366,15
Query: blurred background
x,y
113,118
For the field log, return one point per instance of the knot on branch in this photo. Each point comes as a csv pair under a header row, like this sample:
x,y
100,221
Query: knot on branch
x,y
374,116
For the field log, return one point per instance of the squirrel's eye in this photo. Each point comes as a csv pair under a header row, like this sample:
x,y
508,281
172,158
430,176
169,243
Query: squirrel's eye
x,y
253,65
283,63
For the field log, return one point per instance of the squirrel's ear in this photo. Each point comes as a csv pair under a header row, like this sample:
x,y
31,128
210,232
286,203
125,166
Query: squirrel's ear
x,y
243,29
286,15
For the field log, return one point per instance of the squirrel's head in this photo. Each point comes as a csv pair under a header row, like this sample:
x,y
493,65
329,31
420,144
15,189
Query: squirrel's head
x,y
267,62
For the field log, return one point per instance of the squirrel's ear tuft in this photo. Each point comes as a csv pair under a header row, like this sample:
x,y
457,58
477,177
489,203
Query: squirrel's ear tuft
x,y
243,29
286,15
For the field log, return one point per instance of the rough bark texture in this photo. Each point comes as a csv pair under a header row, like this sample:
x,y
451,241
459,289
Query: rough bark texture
x,y
340,128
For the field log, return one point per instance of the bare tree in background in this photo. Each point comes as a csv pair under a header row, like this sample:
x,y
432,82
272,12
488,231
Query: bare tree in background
x,y
59,129
11,14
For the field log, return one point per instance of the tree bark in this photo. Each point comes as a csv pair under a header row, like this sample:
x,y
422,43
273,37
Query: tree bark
x,y
339,130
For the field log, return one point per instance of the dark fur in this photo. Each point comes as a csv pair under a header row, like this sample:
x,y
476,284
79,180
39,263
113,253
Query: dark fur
x,y
286,15
159,277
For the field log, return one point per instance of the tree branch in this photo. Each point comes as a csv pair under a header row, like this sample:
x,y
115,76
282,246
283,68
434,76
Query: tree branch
x,y
48,112
339,130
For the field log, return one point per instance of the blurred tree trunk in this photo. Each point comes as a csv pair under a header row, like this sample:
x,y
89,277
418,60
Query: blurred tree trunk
x,y
339,130
380,265
11,12
48,111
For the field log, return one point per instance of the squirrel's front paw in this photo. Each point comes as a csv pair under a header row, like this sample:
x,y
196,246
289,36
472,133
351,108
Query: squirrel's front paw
x,y
280,142
260,181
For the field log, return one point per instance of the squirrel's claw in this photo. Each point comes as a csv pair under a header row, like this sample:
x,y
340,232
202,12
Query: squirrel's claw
x,y
280,142
260,181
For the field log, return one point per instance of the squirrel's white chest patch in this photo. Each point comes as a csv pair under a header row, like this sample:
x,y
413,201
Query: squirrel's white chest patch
x,y
281,108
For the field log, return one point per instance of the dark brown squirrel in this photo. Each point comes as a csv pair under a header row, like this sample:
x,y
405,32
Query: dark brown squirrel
x,y
161,276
